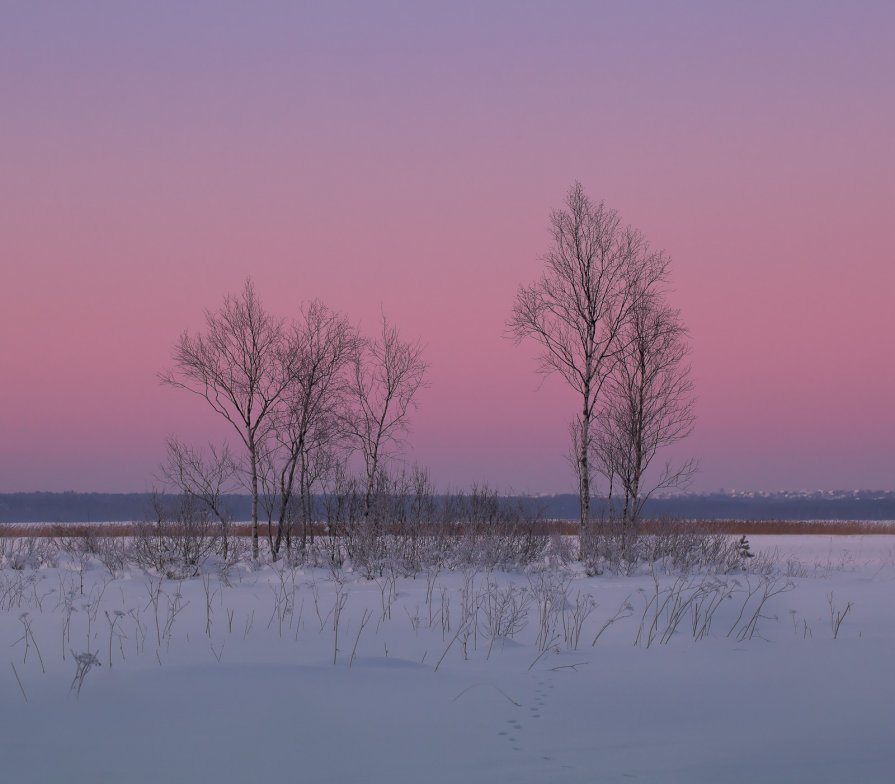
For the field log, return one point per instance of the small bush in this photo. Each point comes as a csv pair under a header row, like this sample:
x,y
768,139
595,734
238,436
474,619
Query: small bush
x,y
177,538
620,547
28,553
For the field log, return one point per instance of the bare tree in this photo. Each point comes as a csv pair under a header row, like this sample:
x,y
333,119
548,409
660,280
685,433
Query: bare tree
x,y
596,271
206,476
307,423
238,365
648,404
387,374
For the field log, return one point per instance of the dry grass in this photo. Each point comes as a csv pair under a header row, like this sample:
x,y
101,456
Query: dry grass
x,y
773,527
542,528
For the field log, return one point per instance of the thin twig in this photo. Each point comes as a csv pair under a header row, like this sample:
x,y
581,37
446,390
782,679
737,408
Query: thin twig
x,y
496,688
569,666
19,681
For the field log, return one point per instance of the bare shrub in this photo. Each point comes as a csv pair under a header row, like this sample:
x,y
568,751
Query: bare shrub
x,y
494,532
342,507
681,550
560,549
795,568
504,610
205,475
667,607
28,553
676,548
625,610
416,530
113,553
606,545
752,611
177,538
837,616
549,592
574,617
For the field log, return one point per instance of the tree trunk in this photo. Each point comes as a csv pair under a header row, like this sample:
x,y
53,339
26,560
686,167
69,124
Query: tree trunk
x,y
253,459
372,468
584,473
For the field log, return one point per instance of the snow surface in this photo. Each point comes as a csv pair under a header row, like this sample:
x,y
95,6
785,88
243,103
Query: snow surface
x,y
249,691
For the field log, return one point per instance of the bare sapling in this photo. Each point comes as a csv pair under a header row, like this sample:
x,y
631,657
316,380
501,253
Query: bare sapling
x,y
298,617
154,589
387,373
206,477
444,613
209,600
338,606
431,576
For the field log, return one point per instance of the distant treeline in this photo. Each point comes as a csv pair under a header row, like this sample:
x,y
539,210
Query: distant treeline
x,y
108,507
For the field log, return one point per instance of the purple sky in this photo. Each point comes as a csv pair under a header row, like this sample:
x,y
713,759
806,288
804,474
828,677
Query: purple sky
x,y
404,157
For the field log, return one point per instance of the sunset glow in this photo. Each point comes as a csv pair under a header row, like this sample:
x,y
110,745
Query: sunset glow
x,y
405,160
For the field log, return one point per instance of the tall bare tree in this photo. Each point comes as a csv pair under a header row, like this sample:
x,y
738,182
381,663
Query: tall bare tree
x,y
648,404
307,422
387,375
596,271
239,366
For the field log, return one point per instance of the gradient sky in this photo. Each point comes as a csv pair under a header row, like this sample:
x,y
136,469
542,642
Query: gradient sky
x,y
406,156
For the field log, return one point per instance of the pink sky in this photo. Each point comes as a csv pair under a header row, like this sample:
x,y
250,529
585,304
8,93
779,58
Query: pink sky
x,y
407,159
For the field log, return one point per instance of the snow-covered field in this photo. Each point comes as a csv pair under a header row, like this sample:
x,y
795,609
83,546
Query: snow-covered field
x,y
547,675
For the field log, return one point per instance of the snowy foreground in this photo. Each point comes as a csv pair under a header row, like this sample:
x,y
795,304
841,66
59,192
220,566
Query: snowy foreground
x,y
280,674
